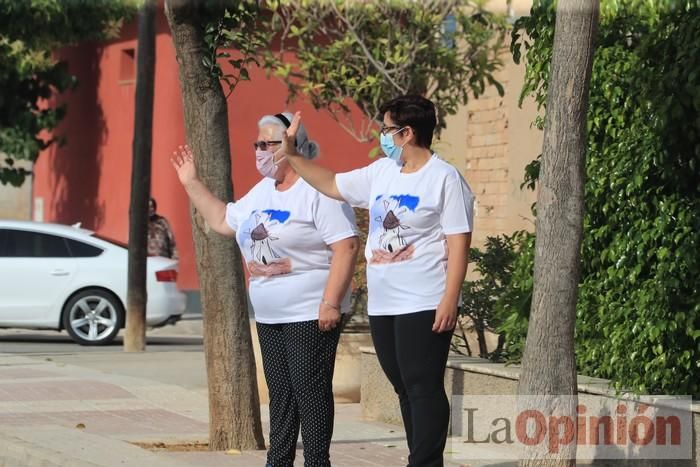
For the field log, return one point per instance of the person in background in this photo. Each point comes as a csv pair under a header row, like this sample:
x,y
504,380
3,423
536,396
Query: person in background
x,y
161,241
420,213
300,248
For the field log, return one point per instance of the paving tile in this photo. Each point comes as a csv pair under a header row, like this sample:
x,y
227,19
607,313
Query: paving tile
x,y
61,390
353,455
111,422
119,408
22,373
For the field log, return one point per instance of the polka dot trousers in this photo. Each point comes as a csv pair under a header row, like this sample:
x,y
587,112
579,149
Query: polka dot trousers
x,y
298,361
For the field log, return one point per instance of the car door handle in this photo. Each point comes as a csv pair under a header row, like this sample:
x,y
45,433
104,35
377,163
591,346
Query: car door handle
x,y
59,272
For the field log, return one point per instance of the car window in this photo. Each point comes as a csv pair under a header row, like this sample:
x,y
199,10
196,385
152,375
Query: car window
x,y
2,242
24,244
111,240
82,250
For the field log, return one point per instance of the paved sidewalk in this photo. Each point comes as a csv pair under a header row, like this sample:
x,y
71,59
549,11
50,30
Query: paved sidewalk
x,y
53,414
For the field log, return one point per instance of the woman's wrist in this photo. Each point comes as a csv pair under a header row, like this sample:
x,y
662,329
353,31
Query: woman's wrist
x,y
330,304
191,184
450,297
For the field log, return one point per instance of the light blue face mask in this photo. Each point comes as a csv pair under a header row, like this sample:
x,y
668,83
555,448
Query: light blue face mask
x,y
390,149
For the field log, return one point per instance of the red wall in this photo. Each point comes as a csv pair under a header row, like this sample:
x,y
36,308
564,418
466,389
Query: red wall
x,y
87,180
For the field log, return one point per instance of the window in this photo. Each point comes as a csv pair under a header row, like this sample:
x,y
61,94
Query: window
x,y
112,241
82,250
2,243
127,66
24,244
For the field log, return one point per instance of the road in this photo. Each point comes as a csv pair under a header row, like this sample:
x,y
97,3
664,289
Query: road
x,y
51,343
172,356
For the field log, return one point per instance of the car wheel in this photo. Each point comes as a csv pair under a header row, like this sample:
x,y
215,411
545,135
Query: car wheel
x,y
93,317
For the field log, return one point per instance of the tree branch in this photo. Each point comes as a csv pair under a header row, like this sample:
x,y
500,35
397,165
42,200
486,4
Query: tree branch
x,y
366,51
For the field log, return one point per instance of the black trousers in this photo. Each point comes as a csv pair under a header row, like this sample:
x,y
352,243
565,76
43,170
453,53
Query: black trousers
x,y
298,361
414,357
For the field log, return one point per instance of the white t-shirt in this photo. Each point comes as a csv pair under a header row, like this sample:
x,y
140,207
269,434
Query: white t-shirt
x,y
284,238
409,216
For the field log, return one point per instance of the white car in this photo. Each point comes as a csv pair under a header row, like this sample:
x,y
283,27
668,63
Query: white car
x,y
60,277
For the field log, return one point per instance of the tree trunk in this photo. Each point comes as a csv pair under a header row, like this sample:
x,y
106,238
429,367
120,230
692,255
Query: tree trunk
x,y
549,365
234,405
481,340
135,334
499,347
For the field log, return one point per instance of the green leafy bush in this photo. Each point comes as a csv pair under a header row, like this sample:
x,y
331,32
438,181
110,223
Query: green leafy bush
x,y
357,315
638,314
365,53
485,301
31,76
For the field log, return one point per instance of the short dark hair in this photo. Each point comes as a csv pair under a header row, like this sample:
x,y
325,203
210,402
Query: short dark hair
x,y
153,202
414,111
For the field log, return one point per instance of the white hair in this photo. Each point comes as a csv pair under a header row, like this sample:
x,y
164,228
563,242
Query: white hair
x,y
305,147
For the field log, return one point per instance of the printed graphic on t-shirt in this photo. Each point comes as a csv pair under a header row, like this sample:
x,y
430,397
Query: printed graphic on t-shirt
x,y
388,229
262,230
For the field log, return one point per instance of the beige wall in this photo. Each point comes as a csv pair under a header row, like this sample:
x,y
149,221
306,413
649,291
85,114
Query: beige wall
x,y
512,7
491,140
15,203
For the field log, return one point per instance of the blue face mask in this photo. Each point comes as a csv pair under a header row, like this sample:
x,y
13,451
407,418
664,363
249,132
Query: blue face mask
x,y
390,149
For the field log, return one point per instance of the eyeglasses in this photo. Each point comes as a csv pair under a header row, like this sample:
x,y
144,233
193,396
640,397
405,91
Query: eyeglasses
x,y
385,129
262,145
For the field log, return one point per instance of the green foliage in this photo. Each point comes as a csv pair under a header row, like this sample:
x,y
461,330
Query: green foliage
x,y
513,306
485,301
30,30
638,312
532,33
358,298
236,30
369,52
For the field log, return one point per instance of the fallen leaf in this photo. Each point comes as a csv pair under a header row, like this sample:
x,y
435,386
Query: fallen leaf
x,y
233,452
80,426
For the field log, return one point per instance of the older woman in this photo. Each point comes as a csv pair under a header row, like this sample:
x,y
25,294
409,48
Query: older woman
x,y
300,248
420,210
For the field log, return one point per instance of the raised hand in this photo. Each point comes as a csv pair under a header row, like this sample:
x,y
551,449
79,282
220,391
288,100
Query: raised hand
x,y
289,139
183,162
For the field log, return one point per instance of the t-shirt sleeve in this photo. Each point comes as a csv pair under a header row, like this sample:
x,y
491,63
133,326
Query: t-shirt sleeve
x,y
237,210
355,186
334,220
457,206
234,212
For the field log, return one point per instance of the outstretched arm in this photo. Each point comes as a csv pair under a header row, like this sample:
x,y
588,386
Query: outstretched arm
x,y
212,208
318,177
